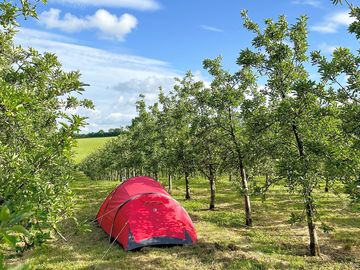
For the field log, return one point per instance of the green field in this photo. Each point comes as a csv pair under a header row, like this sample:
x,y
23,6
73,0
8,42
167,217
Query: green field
x,y
224,242
86,146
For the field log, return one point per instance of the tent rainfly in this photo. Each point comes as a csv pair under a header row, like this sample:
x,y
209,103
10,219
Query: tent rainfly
x,y
140,213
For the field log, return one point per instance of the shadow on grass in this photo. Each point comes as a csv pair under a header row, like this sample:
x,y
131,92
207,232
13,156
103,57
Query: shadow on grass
x,y
224,219
99,255
293,249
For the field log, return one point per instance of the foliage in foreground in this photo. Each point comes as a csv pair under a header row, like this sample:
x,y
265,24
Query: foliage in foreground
x,y
36,136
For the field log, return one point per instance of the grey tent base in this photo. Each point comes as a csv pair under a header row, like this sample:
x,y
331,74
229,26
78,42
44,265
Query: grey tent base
x,y
158,241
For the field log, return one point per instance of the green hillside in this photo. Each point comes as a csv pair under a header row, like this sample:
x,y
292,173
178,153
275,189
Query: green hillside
x,y
86,146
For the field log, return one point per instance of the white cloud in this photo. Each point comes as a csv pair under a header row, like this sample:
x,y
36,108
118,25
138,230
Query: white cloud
x,y
119,116
343,18
40,35
332,23
105,72
211,28
313,3
148,86
108,24
133,4
327,48
120,100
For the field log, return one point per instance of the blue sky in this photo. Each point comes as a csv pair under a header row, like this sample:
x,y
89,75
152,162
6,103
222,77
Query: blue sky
x,y
127,47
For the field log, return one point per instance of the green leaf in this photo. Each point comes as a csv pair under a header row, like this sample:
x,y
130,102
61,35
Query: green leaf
x,y
20,229
20,217
10,239
4,214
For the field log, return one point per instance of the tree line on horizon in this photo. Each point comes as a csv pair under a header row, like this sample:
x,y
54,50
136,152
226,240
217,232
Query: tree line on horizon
x,y
294,130
112,132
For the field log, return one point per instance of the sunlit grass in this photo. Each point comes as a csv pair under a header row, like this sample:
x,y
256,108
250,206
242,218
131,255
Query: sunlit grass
x,y
224,242
86,146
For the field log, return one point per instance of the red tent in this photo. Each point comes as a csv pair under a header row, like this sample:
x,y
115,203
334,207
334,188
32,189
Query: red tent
x,y
139,213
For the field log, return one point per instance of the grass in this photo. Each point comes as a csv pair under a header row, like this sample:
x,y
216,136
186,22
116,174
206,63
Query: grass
x,y
224,242
86,146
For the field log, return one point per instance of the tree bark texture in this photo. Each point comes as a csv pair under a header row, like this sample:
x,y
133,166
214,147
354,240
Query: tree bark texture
x,y
247,203
212,189
327,185
314,244
170,183
187,187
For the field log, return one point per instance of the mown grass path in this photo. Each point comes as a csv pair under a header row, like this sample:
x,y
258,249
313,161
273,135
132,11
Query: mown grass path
x,y
224,243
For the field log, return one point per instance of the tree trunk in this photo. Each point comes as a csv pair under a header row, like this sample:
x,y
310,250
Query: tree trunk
x,y
309,206
187,187
266,179
170,183
314,244
244,183
230,177
212,190
246,195
327,185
